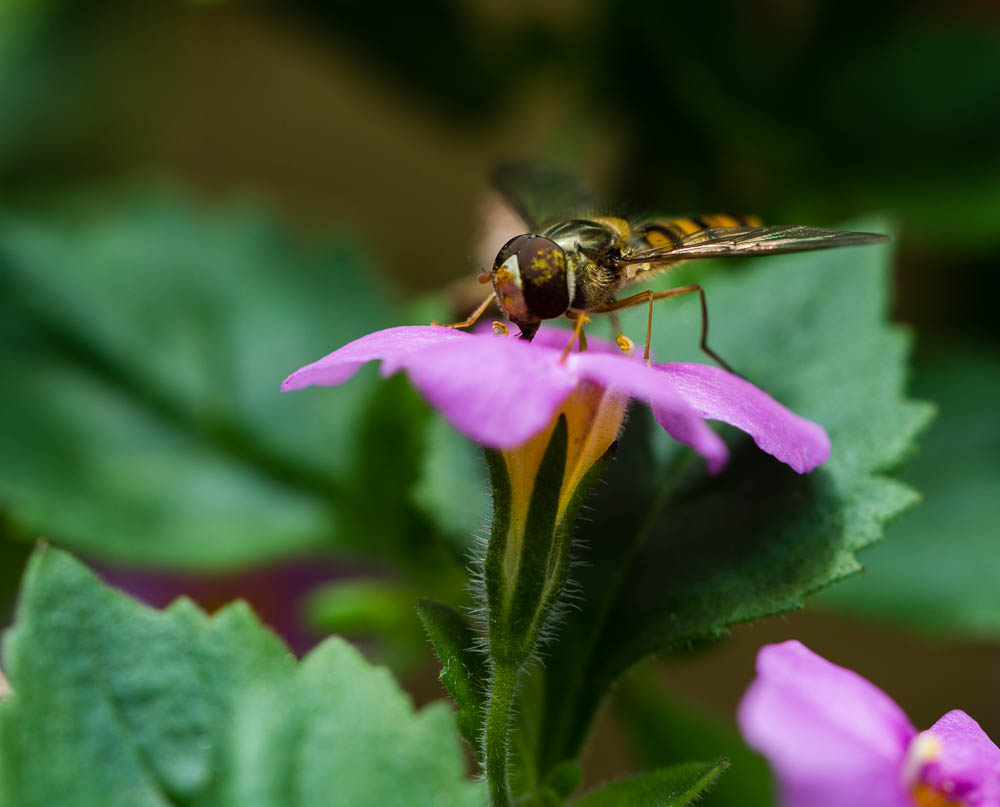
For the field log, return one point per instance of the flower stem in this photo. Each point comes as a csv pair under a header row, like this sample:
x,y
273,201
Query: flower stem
x,y
496,742
525,572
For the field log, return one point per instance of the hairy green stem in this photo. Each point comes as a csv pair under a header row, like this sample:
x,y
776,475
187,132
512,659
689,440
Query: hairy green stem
x,y
496,743
525,572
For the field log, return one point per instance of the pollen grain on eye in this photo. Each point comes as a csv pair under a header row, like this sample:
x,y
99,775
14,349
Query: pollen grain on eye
x,y
543,271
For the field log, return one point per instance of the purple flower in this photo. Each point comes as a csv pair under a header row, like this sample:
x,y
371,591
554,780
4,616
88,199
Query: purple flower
x,y
501,392
836,740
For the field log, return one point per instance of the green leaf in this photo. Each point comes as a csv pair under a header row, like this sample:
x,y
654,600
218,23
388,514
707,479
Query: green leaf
x,y
563,779
668,787
463,668
674,557
14,552
452,488
92,467
117,704
662,732
939,567
150,338
368,609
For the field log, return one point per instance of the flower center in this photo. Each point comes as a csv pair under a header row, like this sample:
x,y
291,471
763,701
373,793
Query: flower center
x,y
594,417
926,796
923,750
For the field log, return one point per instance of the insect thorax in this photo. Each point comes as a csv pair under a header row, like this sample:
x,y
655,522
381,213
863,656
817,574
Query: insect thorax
x,y
589,245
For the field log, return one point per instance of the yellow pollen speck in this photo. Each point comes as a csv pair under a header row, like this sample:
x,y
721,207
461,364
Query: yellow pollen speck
x,y
925,796
626,345
499,329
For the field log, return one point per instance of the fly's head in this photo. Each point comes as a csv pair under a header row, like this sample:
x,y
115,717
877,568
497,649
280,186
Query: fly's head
x,y
532,281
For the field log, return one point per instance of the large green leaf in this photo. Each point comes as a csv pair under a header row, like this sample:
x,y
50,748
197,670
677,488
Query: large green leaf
x,y
673,556
116,704
939,568
147,338
676,786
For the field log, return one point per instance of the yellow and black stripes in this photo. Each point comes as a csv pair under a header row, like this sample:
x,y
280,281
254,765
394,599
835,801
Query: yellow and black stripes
x,y
621,228
672,232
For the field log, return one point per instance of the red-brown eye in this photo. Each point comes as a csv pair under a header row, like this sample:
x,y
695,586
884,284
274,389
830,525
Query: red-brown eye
x,y
543,277
531,281
508,249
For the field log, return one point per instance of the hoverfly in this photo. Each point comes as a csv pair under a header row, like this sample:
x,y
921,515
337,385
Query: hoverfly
x,y
576,263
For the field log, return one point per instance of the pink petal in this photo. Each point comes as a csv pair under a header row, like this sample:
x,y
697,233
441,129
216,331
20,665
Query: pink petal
x,y
639,380
392,345
832,738
968,768
557,339
719,395
502,392
499,392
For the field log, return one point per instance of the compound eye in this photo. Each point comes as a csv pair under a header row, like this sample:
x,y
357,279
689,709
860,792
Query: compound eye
x,y
543,277
509,249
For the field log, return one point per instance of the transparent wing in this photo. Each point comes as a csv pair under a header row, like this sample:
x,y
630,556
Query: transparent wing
x,y
723,242
542,193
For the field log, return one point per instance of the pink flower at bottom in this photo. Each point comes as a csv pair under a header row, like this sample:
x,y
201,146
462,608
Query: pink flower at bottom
x,y
836,740
502,391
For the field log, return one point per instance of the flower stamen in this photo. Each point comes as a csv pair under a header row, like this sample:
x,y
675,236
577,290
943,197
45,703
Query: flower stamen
x,y
923,749
500,328
925,796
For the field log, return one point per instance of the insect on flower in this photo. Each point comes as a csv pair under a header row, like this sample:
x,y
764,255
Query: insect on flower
x,y
574,263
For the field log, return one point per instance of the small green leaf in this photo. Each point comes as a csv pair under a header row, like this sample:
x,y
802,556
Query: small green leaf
x,y
452,489
564,778
120,705
371,609
660,731
463,668
677,786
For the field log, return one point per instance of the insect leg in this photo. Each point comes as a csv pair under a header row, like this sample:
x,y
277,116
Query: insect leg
x,y
574,316
471,319
579,321
649,297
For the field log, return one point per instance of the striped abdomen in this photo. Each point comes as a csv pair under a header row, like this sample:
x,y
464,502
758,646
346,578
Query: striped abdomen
x,y
671,232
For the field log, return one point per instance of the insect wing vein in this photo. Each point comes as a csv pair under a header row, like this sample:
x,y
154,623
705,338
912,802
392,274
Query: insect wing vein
x,y
719,242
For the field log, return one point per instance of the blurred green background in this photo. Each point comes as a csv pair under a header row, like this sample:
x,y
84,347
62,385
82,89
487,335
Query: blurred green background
x,y
198,197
